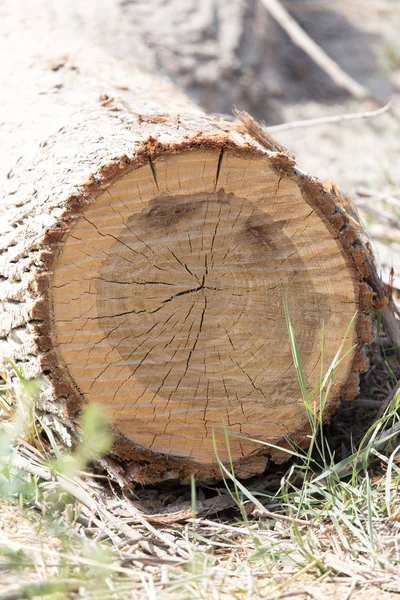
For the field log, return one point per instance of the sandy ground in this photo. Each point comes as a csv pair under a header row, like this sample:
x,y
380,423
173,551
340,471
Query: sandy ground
x,y
362,38
226,54
17,529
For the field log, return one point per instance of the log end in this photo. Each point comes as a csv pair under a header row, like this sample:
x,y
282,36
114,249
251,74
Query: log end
x,y
166,298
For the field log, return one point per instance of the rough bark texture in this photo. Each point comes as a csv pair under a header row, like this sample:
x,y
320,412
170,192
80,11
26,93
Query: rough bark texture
x,y
105,166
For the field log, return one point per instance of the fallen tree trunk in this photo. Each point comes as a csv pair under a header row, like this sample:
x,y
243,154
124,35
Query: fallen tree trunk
x,y
155,285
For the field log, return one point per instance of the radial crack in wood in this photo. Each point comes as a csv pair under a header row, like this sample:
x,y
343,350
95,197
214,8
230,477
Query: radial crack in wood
x,y
168,304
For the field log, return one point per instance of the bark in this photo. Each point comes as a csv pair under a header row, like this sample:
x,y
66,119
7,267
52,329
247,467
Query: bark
x,y
147,251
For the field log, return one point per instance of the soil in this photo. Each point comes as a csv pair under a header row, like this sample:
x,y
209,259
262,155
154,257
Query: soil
x,y
235,54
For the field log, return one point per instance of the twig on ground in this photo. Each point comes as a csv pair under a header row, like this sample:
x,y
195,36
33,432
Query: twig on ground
x,y
332,119
207,507
366,403
285,518
318,55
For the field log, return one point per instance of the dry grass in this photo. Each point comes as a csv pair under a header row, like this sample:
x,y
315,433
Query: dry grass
x,y
318,529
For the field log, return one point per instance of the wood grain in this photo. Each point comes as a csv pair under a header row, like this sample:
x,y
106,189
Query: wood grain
x,y
168,303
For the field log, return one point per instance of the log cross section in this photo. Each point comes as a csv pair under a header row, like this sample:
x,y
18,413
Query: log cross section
x,y
168,302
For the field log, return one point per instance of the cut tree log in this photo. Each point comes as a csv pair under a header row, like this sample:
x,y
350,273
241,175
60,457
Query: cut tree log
x,y
155,284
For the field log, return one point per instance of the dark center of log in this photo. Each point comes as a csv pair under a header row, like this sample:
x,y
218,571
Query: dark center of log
x,y
190,297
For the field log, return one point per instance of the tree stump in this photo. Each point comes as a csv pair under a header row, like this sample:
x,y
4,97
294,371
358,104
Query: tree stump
x,y
157,287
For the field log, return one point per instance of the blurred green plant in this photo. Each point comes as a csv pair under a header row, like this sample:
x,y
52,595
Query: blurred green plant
x,y
390,55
